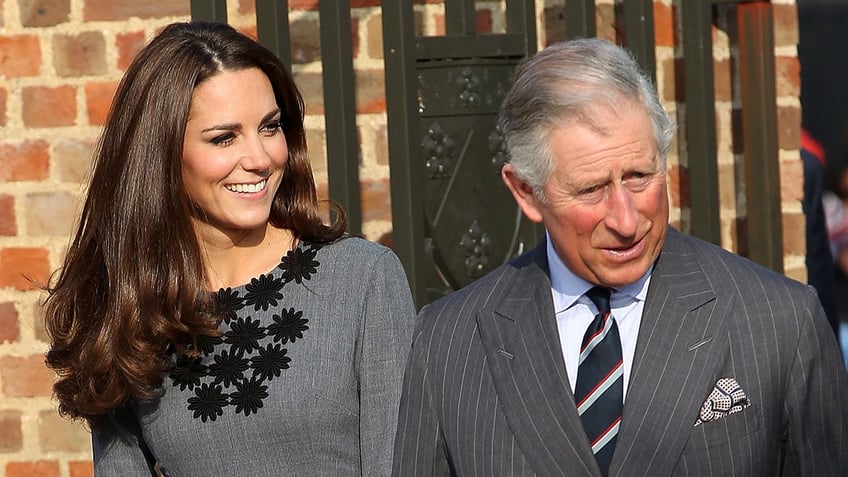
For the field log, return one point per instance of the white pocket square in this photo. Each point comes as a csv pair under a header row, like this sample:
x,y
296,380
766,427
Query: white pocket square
x,y
726,398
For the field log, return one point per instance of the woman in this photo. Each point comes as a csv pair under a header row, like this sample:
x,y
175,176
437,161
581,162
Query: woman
x,y
206,321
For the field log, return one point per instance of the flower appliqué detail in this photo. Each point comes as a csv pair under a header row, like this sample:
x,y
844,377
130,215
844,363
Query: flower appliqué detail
x,y
231,371
299,265
288,326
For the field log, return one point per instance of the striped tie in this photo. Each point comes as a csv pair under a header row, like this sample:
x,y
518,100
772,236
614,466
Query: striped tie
x,y
600,390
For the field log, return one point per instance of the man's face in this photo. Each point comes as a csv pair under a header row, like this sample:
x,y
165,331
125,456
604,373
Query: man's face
x,y
606,204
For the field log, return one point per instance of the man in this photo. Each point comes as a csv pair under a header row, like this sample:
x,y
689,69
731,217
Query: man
x,y
707,364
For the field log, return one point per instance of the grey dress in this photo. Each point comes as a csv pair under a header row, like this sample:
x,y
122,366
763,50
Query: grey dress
x,y
305,379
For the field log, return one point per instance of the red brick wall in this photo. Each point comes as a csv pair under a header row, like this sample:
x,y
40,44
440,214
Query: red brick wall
x,y
60,61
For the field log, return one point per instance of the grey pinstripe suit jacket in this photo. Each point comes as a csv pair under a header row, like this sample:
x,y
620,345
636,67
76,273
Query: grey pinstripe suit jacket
x,y
486,391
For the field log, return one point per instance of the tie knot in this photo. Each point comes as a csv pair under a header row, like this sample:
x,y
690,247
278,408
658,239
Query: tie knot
x,y
600,296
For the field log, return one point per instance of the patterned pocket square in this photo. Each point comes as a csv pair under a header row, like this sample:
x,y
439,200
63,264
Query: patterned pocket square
x,y
727,397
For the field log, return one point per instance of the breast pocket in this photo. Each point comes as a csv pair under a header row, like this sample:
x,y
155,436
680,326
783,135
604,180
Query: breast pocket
x,y
738,425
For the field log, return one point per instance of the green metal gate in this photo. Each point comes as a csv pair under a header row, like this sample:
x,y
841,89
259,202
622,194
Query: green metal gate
x,y
453,220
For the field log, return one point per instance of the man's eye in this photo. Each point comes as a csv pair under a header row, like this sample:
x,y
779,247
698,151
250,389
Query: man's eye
x,y
590,190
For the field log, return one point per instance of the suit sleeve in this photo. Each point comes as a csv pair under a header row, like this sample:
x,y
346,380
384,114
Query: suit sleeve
x,y
384,341
419,445
119,447
817,400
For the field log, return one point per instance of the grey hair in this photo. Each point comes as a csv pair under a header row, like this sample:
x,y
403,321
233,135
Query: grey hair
x,y
564,84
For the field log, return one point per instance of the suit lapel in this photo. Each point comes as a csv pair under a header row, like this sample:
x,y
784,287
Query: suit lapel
x,y
673,364
519,333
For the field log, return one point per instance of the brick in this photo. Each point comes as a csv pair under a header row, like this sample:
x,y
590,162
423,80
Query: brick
x,y
3,96
50,214
44,13
8,225
605,22
554,21
45,107
81,468
789,127
370,91
248,6
678,187
316,140
381,146
21,266
311,86
40,331
672,87
82,54
26,377
305,41
11,437
354,37
72,159
41,468
9,326
98,100
375,200
57,434
112,10
791,180
794,243
785,24
788,76
374,36
20,55
24,161
664,32
722,80
250,31
483,21
128,44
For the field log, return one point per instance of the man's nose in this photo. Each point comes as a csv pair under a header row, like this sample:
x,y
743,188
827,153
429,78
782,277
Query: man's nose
x,y
622,217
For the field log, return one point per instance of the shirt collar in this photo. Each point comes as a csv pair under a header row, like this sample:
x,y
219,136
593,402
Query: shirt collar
x,y
567,287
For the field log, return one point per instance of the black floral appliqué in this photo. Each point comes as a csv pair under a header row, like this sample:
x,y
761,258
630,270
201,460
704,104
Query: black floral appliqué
x,y
299,264
264,292
270,363
206,344
288,326
227,303
248,396
208,403
228,368
244,335
187,372
234,368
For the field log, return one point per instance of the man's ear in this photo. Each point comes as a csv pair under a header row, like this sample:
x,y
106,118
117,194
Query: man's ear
x,y
523,193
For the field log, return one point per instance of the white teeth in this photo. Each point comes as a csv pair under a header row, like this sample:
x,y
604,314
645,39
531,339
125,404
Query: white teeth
x,y
247,188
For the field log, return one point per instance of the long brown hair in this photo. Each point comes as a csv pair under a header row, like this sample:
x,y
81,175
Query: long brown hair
x,y
132,283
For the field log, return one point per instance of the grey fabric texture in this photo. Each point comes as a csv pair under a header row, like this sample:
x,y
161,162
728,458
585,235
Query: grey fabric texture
x,y
486,391
332,411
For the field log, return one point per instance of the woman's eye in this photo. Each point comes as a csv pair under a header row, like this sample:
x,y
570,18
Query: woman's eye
x,y
223,139
273,127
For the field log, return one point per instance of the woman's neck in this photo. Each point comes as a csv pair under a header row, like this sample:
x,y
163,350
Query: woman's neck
x,y
231,259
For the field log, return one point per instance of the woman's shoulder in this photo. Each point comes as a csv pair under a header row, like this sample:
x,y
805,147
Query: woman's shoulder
x,y
352,245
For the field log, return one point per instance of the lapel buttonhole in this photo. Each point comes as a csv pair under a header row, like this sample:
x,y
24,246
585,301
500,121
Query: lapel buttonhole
x,y
697,345
506,354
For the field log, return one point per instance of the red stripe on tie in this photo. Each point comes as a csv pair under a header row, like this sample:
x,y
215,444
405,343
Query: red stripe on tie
x,y
606,431
602,381
592,338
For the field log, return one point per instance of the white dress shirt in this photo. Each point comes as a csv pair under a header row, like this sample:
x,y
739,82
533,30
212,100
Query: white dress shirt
x,y
574,313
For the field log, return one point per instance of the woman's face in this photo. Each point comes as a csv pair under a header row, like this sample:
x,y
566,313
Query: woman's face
x,y
234,153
